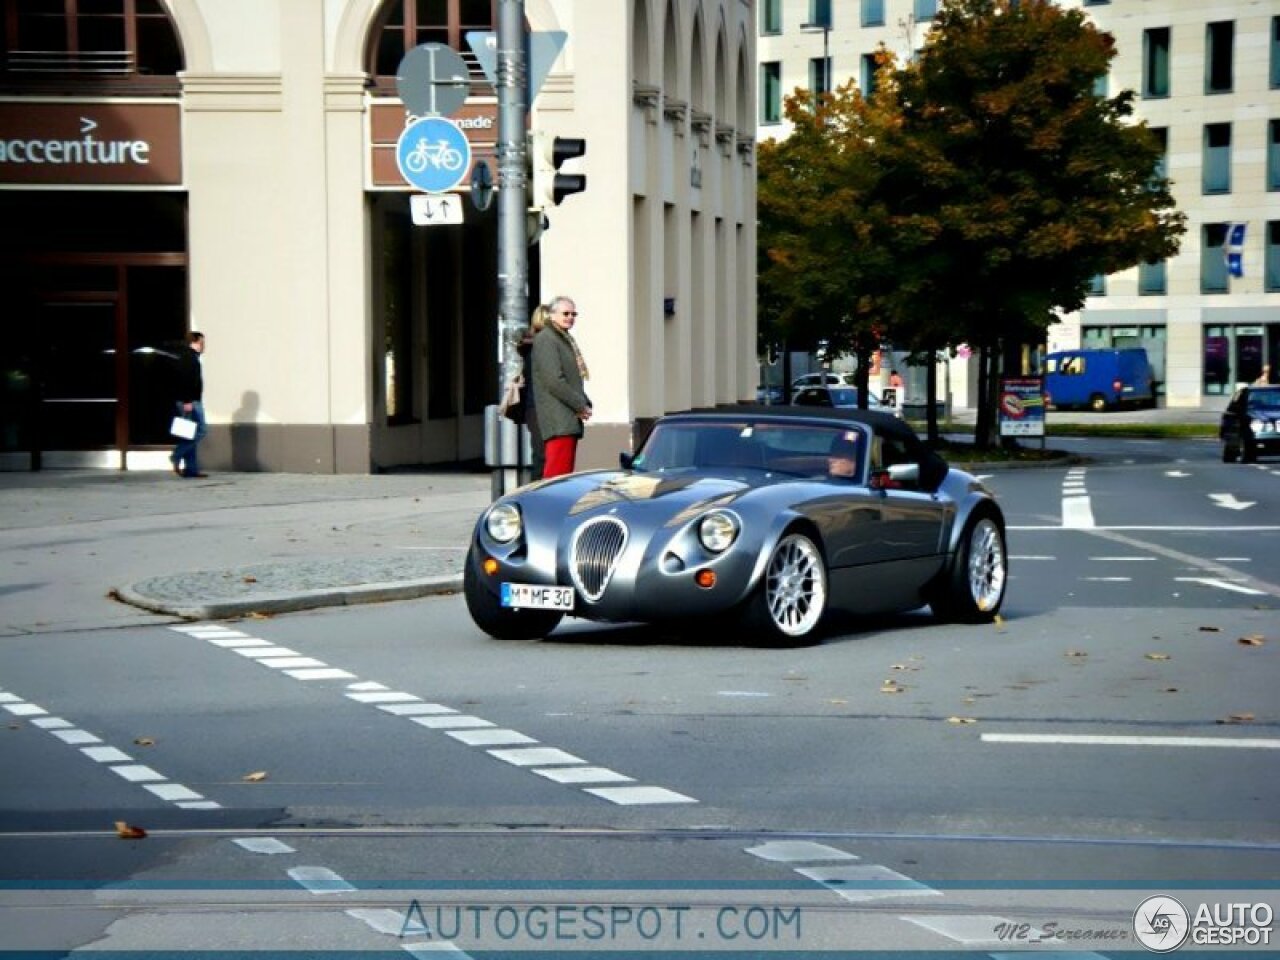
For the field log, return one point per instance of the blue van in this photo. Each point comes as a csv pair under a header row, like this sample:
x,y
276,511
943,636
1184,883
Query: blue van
x,y
1099,379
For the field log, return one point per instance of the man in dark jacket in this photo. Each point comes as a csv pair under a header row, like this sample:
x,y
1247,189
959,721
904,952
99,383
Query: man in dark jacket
x,y
189,390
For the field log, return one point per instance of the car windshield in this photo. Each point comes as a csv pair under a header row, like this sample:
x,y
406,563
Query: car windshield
x,y
1268,400
793,448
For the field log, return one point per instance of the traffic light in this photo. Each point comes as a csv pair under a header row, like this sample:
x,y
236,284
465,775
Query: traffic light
x,y
547,153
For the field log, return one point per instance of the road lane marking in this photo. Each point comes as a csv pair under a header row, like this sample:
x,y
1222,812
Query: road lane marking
x,y
321,673
256,652
464,728
536,757
634,796
1117,559
68,733
1229,501
1152,528
319,880
867,881
490,738
1099,740
1221,585
797,851
264,845
1108,579
1077,511
582,775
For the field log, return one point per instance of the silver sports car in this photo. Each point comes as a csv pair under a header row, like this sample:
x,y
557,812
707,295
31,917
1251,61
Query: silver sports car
x,y
772,516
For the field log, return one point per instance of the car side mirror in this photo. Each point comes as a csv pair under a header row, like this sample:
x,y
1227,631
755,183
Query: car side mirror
x,y
626,460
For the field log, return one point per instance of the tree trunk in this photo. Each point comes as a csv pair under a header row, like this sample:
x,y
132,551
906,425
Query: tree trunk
x,y
931,391
982,432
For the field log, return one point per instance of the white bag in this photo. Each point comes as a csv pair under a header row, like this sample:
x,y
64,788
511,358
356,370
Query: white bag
x,y
183,428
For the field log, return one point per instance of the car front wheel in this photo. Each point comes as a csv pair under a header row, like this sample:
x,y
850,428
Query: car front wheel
x,y
975,583
791,599
488,613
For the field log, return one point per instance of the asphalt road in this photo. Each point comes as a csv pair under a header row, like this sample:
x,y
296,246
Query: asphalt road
x,y
361,780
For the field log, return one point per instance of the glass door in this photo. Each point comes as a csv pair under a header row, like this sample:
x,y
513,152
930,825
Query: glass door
x,y
81,372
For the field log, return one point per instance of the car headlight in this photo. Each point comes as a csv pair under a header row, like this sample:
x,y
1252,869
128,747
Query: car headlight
x,y
1263,426
504,522
717,531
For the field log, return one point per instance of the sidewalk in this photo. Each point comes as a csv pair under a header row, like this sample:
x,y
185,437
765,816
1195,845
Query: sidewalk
x,y
74,543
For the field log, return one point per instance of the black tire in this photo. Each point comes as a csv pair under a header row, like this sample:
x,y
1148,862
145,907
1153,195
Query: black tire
x,y
787,607
496,620
972,589
1248,452
1229,453
1098,403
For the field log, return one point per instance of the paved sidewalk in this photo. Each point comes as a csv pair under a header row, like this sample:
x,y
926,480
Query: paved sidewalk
x,y
75,543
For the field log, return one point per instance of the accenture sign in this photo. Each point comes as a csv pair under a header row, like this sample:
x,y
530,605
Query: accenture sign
x,y
95,144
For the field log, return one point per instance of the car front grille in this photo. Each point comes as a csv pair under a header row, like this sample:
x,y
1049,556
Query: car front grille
x,y
596,548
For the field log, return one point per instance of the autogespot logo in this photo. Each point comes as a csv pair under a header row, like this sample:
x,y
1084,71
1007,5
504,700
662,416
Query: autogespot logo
x,y
1161,924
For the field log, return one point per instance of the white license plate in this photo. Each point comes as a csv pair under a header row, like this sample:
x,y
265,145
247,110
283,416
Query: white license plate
x,y
532,596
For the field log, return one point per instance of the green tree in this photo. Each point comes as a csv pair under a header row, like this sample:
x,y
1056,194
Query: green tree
x,y
822,274
993,182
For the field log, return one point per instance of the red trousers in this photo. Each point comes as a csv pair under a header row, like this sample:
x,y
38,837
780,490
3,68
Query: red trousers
x,y
561,452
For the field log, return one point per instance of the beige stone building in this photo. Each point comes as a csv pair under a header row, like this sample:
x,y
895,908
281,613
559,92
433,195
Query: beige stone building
x,y
229,166
1207,78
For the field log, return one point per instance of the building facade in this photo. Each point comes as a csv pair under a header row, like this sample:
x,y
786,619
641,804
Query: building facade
x,y
169,165
1207,78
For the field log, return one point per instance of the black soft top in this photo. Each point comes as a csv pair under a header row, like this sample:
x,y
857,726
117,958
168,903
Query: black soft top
x,y
884,423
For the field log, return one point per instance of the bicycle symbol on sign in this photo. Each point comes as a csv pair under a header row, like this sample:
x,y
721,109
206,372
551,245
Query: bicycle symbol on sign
x,y
438,156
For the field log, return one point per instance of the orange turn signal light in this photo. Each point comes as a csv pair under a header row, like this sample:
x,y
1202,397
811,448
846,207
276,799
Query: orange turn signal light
x,y
705,578
490,566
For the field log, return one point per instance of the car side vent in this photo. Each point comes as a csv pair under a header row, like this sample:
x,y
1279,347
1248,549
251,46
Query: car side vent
x,y
596,548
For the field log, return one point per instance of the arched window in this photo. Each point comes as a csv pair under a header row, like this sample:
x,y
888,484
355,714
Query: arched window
x,y
107,46
402,25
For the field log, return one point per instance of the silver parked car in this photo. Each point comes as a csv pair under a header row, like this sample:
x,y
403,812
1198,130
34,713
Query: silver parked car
x,y
771,516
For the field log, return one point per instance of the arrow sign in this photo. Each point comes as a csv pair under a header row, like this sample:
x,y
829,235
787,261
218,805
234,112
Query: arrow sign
x,y
1229,501
430,209
1176,473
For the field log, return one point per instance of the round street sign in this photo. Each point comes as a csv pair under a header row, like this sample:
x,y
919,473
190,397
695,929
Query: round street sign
x,y
481,186
432,80
433,154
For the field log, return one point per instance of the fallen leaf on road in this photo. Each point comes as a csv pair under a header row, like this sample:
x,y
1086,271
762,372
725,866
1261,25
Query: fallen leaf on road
x,y
961,720
1238,718
1075,653
1170,689
129,832
838,702
250,579
891,686
144,742
1252,640
258,616
1210,629
1159,656
256,777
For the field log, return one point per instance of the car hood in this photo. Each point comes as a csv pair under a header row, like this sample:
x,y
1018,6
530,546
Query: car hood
x,y
684,493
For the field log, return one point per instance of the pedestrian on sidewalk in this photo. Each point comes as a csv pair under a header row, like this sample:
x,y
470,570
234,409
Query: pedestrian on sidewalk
x,y
1264,378
189,389
559,371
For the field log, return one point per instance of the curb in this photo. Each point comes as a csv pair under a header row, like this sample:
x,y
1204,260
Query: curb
x,y
293,602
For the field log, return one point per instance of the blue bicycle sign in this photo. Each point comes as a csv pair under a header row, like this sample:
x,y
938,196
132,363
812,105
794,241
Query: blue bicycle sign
x,y
433,154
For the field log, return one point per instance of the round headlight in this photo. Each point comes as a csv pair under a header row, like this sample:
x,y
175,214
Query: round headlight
x,y
1258,426
717,531
503,522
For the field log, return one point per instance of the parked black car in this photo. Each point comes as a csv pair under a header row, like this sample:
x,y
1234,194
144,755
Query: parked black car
x,y
1251,424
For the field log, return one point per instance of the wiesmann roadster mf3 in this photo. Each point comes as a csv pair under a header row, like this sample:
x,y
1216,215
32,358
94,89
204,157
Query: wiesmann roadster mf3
x,y
772,516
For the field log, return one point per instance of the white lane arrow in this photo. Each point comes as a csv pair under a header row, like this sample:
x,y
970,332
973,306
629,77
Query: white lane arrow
x,y
1229,501
1176,473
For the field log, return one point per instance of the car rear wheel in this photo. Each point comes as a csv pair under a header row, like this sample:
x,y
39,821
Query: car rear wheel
x,y
1248,452
790,601
488,613
975,583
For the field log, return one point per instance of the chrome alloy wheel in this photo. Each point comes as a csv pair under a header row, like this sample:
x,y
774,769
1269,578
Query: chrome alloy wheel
x,y
987,565
795,587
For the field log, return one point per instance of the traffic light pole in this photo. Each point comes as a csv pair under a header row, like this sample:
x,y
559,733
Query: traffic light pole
x,y
513,249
